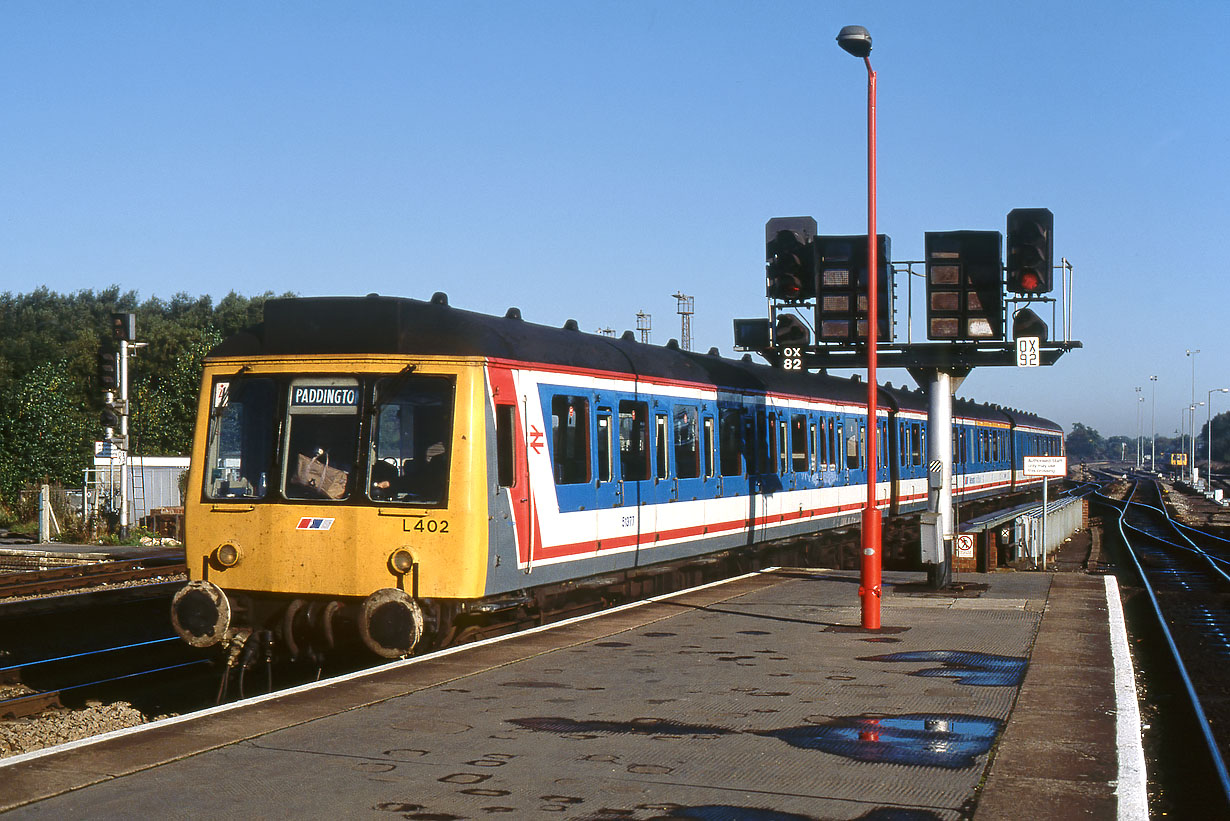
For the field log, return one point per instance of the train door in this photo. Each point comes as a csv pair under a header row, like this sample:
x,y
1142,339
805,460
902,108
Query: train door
x,y
635,477
692,437
855,430
607,485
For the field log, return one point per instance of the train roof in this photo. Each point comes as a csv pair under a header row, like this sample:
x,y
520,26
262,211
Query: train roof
x,y
396,325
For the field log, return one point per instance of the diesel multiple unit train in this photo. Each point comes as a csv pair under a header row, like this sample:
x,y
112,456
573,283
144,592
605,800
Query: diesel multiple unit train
x,y
380,468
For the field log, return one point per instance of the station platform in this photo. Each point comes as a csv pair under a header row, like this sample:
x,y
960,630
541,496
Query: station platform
x,y
756,698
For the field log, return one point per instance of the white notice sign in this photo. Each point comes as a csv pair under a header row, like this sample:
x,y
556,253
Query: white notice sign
x,y
965,546
1046,466
1027,355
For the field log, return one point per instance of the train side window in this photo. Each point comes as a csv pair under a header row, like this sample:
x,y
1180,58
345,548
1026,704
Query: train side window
x,y
830,450
570,439
605,452
240,447
505,444
783,445
812,443
838,456
916,444
798,443
687,444
661,444
730,429
854,448
633,441
709,445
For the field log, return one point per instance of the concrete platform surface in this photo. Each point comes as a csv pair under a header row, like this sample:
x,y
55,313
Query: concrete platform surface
x,y
758,698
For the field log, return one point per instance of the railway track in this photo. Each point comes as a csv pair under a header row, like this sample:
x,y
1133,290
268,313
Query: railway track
x,y
40,684
58,579
1186,576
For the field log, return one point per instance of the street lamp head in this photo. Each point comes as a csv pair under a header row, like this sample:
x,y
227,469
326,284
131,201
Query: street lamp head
x,y
856,40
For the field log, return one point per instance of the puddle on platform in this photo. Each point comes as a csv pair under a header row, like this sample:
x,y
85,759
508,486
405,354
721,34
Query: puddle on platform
x,y
918,739
974,669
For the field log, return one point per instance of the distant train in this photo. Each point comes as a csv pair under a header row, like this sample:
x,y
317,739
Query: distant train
x,y
385,467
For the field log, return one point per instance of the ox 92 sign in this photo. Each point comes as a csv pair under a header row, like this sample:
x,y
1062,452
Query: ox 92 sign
x,y
792,359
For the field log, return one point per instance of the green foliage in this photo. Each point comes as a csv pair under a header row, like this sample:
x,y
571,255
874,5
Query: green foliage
x,y
1221,437
1085,443
45,431
49,392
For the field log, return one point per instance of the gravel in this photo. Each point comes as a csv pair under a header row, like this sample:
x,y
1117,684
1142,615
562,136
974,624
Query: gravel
x,y
57,726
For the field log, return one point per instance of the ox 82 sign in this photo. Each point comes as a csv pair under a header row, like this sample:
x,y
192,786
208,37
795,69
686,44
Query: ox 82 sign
x,y
792,359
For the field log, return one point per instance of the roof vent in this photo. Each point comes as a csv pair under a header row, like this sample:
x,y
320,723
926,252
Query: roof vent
x,y
513,313
714,351
672,344
628,336
571,325
439,298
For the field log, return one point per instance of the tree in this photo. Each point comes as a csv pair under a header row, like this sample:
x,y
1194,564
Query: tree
x,y
45,433
1221,437
49,393
1085,443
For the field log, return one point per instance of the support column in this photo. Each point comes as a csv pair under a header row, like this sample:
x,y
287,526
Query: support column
x,y
124,501
940,385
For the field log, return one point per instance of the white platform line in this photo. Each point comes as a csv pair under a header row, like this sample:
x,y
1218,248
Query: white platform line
x,y
1133,800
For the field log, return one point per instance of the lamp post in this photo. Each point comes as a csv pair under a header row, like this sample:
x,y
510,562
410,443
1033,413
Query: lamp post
x,y
857,41
1208,432
1153,456
1139,425
1191,458
1191,442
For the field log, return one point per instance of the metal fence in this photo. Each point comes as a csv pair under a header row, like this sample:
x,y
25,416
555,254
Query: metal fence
x,y
1064,517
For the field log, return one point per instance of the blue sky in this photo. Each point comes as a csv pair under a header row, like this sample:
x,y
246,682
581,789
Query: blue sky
x,y
588,159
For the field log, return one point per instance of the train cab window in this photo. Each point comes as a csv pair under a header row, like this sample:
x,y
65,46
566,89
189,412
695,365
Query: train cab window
x,y
570,439
322,438
411,433
605,451
916,444
633,441
685,421
660,442
730,451
798,443
240,445
854,449
505,444
710,444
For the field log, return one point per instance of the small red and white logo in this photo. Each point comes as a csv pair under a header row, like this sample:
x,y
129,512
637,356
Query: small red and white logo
x,y
308,523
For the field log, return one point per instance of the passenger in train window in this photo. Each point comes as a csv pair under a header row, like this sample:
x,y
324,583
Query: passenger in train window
x,y
384,479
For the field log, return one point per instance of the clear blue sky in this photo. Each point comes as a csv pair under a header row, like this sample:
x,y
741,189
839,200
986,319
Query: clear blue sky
x,y
588,159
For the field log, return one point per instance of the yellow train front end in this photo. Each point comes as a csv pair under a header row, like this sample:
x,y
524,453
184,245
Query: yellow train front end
x,y
334,500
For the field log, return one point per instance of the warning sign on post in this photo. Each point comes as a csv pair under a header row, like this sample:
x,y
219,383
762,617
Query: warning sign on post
x,y
1046,466
965,546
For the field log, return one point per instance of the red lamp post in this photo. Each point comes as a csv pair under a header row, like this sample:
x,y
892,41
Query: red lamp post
x,y
857,41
